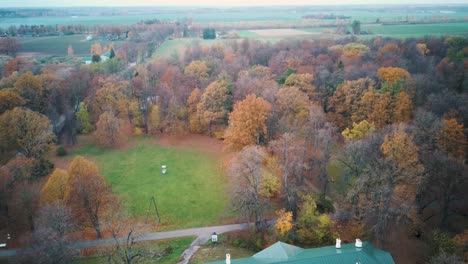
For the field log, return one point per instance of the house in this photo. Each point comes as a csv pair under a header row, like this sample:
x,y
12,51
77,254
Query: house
x,y
288,254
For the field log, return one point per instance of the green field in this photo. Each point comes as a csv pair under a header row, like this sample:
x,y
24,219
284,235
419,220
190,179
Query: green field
x,y
58,45
178,246
193,193
213,14
418,30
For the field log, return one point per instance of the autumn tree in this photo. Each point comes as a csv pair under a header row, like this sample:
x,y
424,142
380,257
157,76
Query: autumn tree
x,y
83,118
23,205
9,46
284,222
113,95
392,74
312,227
247,122
30,88
452,137
290,154
88,195
292,105
195,122
55,188
96,49
109,130
359,131
215,104
403,108
9,99
302,81
246,168
15,65
26,131
50,242
197,68
344,106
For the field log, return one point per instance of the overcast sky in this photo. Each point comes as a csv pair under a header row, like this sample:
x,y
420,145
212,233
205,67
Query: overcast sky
x,y
57,3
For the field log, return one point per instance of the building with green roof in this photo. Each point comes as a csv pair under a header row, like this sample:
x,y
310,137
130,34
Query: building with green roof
x,y
348,254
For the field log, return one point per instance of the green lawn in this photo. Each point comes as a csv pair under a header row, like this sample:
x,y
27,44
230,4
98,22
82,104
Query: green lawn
x,y
178,246
193,192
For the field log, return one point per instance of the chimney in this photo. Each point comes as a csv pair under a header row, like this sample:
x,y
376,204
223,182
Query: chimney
x,y
338,243
358,243
228,258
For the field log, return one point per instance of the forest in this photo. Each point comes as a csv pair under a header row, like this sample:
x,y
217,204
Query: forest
x,y
333,138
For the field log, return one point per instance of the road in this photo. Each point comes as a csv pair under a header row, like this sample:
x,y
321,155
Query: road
x,y
201,233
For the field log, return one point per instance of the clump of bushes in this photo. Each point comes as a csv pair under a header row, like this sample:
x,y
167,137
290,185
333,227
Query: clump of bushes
x,y
61,151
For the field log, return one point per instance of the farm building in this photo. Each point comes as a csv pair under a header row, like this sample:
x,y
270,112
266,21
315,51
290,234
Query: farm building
x,y
362,252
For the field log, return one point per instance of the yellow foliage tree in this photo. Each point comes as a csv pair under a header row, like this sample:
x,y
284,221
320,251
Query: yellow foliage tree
x,y
247,122
55,188
359,131
194,118
284,222
198,68
109,130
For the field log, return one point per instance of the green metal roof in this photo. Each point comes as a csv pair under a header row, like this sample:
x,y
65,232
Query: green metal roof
x,y
348,254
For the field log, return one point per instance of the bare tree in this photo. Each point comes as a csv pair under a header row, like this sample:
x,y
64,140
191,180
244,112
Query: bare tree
x,y
246,168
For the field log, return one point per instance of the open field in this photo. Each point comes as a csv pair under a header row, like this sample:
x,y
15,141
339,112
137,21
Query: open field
x,y
58,45
227,15
418,30
280,32
178,246
193,193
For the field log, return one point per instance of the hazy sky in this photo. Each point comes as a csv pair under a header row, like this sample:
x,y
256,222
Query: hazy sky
x,y
38,3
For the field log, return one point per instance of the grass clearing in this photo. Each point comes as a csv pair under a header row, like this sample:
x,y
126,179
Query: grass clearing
x,y
178,246
284,32
193,193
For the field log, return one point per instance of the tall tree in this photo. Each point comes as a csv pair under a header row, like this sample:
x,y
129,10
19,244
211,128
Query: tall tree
x,y
27,132
246,168
9,99
215,104
55,188
109,130
247,122
9,46
88,195
452,137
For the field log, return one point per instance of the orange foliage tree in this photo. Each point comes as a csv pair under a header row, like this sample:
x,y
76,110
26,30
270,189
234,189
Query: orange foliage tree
x,y
452,137
247,122
109,130
393,74
9,99
194,118
88,195
284,222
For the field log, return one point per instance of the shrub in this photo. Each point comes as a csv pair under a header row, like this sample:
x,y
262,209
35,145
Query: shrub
x,y
61,151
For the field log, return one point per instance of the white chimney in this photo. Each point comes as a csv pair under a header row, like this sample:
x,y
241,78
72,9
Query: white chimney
x,y
228,258
358,243
338,243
